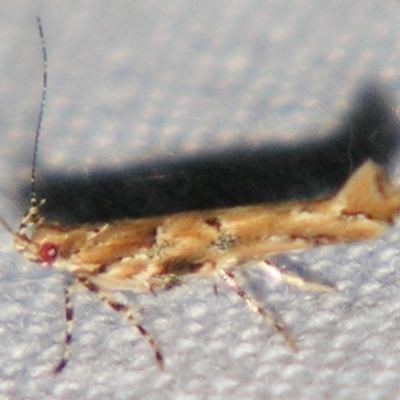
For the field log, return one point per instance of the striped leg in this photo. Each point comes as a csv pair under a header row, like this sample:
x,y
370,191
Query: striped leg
x,y
69,318
127,312
229,278
292,279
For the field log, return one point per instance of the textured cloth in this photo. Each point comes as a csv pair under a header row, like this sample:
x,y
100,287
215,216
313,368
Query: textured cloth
x,y
137,81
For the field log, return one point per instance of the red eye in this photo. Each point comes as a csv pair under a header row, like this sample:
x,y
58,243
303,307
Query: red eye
x,y
48,252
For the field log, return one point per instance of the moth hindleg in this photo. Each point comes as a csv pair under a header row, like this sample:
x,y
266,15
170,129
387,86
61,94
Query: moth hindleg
x,y
293,279
229,278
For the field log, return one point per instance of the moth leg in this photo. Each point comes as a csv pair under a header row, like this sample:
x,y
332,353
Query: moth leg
x,y
69,319
127,312
229,278
293,279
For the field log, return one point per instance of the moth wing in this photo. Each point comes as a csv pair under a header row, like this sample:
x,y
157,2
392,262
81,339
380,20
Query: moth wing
x,y
369,191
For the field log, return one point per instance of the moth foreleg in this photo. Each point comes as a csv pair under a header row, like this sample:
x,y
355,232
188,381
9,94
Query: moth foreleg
x,y
69,319
292,279
229,278
126,311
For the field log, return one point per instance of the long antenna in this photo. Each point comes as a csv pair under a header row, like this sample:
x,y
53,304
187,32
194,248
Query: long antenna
x,y
31,218
34,199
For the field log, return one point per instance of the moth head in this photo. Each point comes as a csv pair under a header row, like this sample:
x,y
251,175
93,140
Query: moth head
x,y
44,253
40,252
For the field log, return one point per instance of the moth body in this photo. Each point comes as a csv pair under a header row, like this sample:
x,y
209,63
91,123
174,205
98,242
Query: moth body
x,y
136,252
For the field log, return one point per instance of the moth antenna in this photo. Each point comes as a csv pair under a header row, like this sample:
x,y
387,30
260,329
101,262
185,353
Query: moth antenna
x,y
34,199
32,218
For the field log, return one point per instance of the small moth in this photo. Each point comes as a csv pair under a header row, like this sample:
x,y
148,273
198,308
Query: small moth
x,y
150,254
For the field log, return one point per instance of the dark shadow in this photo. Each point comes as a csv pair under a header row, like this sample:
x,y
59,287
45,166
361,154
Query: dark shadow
x,y
228,178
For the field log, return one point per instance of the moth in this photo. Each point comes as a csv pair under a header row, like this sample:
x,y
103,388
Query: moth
x,y
150,254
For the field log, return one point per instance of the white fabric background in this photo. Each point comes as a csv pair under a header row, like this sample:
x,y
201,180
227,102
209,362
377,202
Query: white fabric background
x,y
139,80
